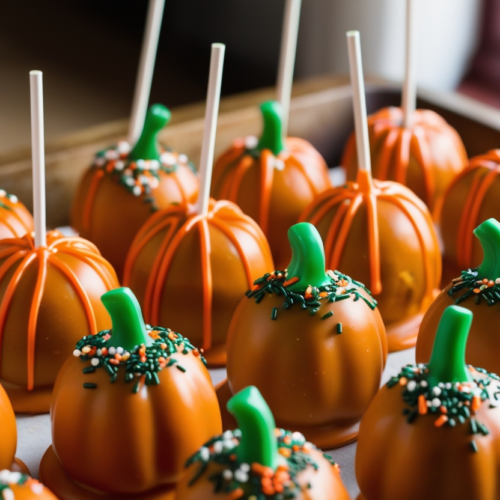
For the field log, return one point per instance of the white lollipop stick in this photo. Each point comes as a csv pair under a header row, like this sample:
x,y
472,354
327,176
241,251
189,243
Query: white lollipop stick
x,y
358,100
146,69
410,83
210,128
38,155
287,58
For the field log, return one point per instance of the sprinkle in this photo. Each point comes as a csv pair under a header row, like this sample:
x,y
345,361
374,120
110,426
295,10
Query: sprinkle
x,y
329,314
94,361
89,385
422,405
291,281
339,328
473,446
274,313
441,421
77,353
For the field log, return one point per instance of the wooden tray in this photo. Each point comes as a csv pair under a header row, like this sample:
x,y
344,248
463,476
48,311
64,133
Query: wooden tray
x,y
321,112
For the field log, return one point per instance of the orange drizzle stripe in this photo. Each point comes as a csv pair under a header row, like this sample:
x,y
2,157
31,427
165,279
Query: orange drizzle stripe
x,y
9,251
373,243
235,178
206,272
42,255
266,187
89,200
11,287
157,283
82,294
402,157
329,204
391,137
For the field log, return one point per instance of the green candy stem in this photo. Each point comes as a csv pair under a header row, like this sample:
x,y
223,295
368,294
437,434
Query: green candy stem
x,y
308,257
129,329
272,133
146,147
258,440
488,234
447,362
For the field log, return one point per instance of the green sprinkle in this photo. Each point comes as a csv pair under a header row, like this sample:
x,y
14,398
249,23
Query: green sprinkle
x,y
274,314
89,369
339,328
473,426
181,368
89,385
473,445
329,314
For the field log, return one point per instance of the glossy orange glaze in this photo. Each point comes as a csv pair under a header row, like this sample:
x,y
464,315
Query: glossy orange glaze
x,y
182,263
15,219
50,298
325,483
483,345
396,460
425,157
316,381
381,234
8,431
471,199
110,216
111,441
272,190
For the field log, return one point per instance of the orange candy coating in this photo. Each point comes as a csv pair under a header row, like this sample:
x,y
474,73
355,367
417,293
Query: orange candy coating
x,y
471,199
8,431
22,487
108,214
50,298
190,271
397,460
124,444
425,157
382,235
15,219
325,483
273,190
316,381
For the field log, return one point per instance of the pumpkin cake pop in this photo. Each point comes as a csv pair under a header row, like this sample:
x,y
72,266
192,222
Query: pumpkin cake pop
x,y
272,180
381,234
15,219
125,185
50,289
144,392
471,199
437,424
416,148
19,486
190,265
8,436
259,461
321,339
478,290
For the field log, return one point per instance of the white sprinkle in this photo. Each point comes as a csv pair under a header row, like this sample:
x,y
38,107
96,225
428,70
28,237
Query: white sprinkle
x,y
119,165
13,198
423,383
86,349
436,402
228,435
123,147
3,193
112,351
153,183
119,350
227,474
228,444
245,467
98,352
237,433
168,158
279,164
251,142
240,476
111,154
8,494
154,164
15,477
411,385
218,447
94,361
141,163
137,190
182,158
4,476
308,446
448,385
205,454
497,281
99,161
143,179
436,391
77,353
297,436
37,488
441,385
127,172
428,403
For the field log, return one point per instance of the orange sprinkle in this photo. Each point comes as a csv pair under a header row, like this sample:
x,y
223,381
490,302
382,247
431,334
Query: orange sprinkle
x,y
258,287
286,452
323,294
476,403
104,351
287,440
485,281
441,421
154,334
114,361
491,283
118,357
422,405
262,470
291,281
196,352
476,290
343,282
268,491
235,494
403,381
443,409
172,336
232,457
143,359
278,488
163,346
266,482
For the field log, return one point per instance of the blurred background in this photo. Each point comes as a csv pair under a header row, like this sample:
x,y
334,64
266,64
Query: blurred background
x,y
89,51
